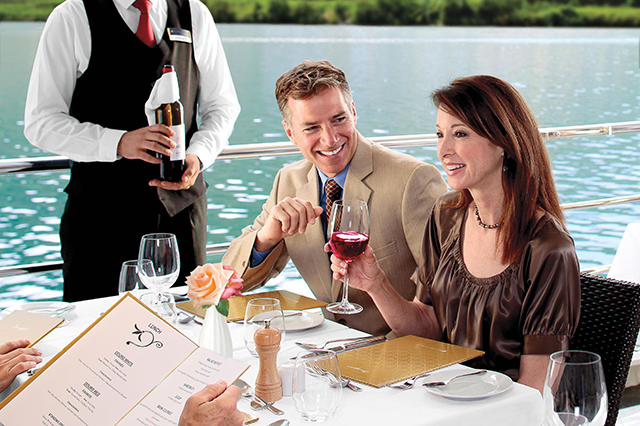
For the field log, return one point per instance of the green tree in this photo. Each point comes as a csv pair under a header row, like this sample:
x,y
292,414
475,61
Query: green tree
x,y
305,13
279,12
498,12
222,11
457,12
258,13
390,12
342,13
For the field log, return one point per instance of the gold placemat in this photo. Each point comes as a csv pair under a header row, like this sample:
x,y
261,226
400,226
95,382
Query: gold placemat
x,y
398,359
27,325
238,304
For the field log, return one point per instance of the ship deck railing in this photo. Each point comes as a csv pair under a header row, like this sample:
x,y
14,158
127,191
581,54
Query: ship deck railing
x,y
258,150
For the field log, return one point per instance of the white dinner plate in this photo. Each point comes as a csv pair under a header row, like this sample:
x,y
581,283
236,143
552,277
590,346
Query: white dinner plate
x,y
471,387
304,321
46,308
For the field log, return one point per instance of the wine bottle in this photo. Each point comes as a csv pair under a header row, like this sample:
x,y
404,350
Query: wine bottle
x,y
172,115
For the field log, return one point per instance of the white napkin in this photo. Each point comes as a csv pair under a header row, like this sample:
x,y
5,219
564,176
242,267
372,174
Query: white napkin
x,y
165,90
625,264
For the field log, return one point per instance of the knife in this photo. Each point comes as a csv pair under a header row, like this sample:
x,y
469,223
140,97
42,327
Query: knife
x,y
359,344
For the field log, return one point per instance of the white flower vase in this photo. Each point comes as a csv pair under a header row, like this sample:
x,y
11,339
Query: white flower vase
x,y
215,333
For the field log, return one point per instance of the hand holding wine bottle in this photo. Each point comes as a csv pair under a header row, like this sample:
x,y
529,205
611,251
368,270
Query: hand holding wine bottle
x,y
171,115
146,143
192,169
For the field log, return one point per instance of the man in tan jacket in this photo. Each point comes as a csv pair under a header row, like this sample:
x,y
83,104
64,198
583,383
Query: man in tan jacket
x,y
319,117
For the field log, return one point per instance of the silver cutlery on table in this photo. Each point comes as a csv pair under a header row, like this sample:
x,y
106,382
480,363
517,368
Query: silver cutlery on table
x,y
259,404
281,422
312,346
188,318
345,383
359,344
256,402
408,384
446,382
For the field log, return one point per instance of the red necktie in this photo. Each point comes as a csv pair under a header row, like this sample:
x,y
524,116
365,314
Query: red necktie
x,y
145,32
333,191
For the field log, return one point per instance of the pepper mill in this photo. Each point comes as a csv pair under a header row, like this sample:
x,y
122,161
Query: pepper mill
x,y
268,384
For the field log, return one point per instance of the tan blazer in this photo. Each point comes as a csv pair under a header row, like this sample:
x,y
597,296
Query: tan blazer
x,y
400,191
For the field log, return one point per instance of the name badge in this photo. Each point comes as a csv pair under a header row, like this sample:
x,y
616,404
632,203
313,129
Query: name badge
x,y
179,34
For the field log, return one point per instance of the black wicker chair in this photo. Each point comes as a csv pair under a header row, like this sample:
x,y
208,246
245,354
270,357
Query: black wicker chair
x,y
609,322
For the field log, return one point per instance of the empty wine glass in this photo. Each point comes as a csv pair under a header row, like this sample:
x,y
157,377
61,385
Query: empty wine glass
x,y
316,386
130,276
258,310
348,233
162,251
575,392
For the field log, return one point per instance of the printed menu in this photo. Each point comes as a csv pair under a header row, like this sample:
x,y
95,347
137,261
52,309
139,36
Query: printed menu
x,y
129,368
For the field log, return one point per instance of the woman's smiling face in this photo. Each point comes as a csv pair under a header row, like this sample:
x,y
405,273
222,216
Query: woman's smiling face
x,y
469,160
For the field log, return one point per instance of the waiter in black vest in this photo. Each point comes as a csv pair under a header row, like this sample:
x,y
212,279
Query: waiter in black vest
x,y
93,72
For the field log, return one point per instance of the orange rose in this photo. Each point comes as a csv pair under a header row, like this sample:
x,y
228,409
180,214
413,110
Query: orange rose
x,y
207,283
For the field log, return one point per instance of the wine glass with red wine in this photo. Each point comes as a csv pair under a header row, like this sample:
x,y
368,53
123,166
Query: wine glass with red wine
x,y
348,232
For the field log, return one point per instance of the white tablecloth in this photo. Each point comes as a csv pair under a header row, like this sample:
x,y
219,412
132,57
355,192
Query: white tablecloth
x,y
519,405
626,267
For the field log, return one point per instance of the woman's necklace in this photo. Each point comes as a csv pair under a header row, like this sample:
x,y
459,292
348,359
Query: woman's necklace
x,y
484,225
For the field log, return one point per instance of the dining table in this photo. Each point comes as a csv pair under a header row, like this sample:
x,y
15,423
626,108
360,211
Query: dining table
x,y
519,404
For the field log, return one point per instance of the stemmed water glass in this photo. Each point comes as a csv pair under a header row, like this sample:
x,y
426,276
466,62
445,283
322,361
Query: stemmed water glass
x,y
162,251
348,233
257,311
575,392
130,271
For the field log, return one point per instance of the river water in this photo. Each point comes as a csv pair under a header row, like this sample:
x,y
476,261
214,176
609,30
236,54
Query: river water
x,y
568,76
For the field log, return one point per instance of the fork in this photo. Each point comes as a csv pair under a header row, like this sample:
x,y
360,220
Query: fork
x,y
409,383
446,382
316,369
312,346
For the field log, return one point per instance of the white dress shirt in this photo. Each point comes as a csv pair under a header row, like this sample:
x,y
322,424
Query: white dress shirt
x,y
63,55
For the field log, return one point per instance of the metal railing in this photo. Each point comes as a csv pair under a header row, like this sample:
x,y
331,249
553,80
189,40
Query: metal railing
x,y
52,163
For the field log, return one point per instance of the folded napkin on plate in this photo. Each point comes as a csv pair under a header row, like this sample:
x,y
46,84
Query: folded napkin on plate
x,y
394,360
238,304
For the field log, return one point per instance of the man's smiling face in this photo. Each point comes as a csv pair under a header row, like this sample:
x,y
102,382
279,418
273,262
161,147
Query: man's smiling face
x,y
324,129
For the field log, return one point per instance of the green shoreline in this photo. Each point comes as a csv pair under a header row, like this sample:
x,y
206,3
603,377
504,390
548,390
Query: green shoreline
x,y
556,13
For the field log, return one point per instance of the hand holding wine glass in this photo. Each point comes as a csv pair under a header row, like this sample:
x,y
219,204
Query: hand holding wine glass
x,y
348,232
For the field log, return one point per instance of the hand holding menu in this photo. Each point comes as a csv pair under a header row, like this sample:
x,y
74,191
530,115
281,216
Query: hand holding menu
x,y
129,368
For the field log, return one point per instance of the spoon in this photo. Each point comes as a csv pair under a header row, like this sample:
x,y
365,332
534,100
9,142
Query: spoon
x,y
256,402
188,319
281,422
446,382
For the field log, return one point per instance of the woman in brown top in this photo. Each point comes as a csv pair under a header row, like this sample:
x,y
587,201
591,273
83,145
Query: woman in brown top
x,y
499,271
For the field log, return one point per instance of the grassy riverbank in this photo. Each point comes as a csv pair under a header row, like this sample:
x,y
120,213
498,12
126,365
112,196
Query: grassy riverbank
x,y
576,13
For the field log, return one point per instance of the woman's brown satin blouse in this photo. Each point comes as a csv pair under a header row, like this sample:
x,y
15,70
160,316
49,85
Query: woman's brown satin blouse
x,y
532,307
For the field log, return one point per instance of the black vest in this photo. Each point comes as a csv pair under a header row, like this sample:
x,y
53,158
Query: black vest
x,y
112,93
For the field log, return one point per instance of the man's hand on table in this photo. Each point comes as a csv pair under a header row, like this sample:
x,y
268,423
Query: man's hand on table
x,y
16,358
215,405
